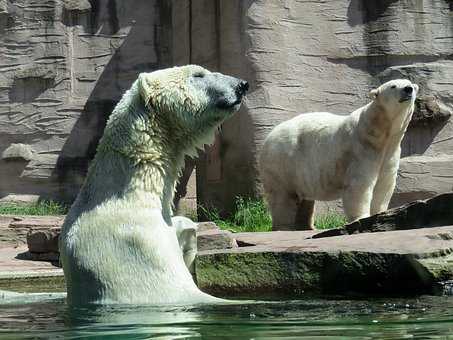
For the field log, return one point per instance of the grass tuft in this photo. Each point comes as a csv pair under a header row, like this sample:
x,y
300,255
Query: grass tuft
x,y
252,215
330,220
41,208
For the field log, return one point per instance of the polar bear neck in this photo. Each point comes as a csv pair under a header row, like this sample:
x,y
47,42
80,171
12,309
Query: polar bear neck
x,y
140,152
381,130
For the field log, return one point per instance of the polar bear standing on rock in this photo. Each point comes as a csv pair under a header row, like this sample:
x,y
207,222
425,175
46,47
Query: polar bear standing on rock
x,y
323,156
118,244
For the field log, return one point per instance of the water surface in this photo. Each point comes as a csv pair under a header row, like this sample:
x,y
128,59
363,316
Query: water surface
x,y
421,318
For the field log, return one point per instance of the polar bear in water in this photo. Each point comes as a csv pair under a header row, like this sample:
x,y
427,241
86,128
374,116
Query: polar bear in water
x,y
118,244
323,156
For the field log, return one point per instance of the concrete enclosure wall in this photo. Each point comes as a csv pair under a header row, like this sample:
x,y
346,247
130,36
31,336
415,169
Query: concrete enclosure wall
x,y
66,63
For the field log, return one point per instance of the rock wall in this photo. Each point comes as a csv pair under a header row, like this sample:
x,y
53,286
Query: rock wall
x,y
64,66
66,63
305,56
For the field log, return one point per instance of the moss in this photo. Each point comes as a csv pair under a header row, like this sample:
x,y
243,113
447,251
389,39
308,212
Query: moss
x,y
45,284
259,272
440,267
296,272
42,208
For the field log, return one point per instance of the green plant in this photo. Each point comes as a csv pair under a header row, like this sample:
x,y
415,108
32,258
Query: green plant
x,y
252,215
40,208
330,220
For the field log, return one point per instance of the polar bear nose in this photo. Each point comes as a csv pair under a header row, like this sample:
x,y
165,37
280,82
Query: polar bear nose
x,y
242,87
408,89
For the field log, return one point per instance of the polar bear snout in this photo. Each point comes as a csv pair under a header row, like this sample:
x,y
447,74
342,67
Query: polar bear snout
x,y
242,88
408,89
228,92
408,92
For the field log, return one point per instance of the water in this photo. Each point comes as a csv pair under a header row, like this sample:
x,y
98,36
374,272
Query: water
x,y
421,318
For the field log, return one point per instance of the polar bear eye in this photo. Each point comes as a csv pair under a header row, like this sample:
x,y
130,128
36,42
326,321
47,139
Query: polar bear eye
x,y
199,75
393,87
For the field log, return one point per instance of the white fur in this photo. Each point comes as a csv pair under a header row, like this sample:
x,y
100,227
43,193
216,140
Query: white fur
x,y
118,244
323,156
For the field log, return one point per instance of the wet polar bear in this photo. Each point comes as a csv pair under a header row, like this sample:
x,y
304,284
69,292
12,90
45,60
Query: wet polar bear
x,y
323,156
118,244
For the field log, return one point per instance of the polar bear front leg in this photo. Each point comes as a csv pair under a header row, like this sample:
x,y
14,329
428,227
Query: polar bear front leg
x,y
283,209
385,186
358,191
305,215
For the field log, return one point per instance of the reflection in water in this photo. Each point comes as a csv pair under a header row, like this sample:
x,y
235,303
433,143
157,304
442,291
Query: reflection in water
x,y
423,318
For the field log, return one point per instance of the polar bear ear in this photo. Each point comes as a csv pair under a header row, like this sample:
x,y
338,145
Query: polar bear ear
x,y
374,93
144,88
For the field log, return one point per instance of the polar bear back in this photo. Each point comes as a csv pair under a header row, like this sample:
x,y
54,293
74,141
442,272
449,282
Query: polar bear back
x,y
291,156
142,241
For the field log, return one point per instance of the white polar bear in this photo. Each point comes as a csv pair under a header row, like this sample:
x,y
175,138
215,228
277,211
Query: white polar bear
x,y
323,156
118,244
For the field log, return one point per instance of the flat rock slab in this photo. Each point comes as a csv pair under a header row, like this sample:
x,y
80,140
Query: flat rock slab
x,y
17,274
215,239
433,212
273,238
14,229
395,262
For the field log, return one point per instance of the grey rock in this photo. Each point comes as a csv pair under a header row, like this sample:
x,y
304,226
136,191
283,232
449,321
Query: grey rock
x,y
389,263
433,212
422,177
65,64
3,7
215,239
77,5
44,72
64,67
18,152
45,241
206,226
322,56
53,257
14,230
430,111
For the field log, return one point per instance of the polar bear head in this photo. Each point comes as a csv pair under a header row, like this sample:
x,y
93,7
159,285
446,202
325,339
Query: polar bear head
x,y
395,95
191,99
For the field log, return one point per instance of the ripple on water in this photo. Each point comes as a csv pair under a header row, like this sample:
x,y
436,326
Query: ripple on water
x,y
421,318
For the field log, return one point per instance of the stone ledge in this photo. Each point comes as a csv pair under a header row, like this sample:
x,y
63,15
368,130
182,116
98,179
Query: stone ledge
x,y
406,262
433,212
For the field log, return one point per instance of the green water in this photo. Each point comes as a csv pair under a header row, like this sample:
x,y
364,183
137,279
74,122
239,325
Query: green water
x,y
421,318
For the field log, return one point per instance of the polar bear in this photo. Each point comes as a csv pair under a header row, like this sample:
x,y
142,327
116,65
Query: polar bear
x,y
118,244
323,156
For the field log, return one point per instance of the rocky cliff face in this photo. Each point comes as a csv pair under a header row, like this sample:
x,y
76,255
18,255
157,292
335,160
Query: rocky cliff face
x,y
326,56
66,63
64,66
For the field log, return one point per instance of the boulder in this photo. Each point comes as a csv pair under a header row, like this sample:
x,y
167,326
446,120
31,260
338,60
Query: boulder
x,y
45,241
18,152
433,212
422,177
215,239
402,262
205,226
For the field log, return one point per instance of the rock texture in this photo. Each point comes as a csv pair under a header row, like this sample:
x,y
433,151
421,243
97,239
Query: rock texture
x,y
404,262
64,66
15,230
215,239
302,56
45,241
66,63
434,212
